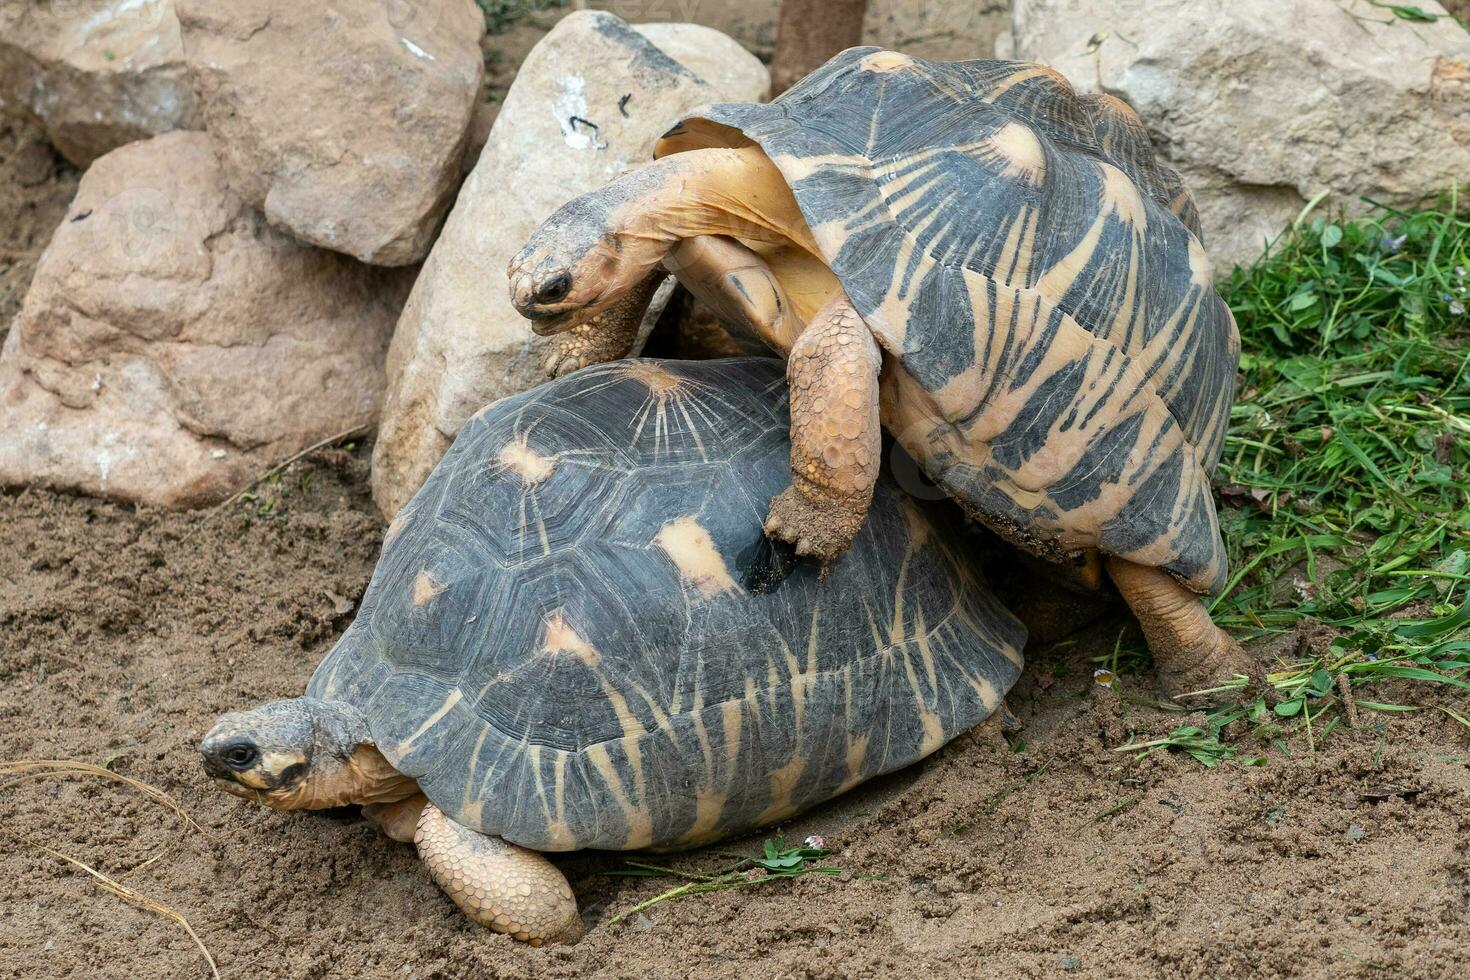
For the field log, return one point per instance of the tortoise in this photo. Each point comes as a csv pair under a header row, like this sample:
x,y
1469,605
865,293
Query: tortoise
x,y
579,636
996,268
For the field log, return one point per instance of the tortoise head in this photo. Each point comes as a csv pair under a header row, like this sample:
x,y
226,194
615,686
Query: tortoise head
x,y
296,754
589,254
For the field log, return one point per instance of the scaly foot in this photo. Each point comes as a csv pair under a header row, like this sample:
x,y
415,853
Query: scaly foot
x,y
818,527
582,347
1190,652
607,336
1209,663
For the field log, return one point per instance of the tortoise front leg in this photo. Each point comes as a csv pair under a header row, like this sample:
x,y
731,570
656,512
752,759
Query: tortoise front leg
x,y
1190,652
508,888
836,441
398,820
608,336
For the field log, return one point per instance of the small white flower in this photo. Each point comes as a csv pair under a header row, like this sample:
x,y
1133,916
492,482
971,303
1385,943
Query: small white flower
x,y
1104,677
816,843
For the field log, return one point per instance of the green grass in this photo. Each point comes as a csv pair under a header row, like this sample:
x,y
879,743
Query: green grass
x,y
1345,481
776,862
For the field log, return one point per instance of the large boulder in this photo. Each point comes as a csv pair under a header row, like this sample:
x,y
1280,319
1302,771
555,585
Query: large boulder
x,y
1261,105
587,105
95,75
173,346
343,122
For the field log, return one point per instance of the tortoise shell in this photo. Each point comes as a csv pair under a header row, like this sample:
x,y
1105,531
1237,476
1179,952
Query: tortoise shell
x,y
1067,365
578,634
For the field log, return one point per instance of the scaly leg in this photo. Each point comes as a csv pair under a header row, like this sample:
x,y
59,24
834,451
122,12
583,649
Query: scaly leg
x,y
608,336
508,888
1190,652
836,441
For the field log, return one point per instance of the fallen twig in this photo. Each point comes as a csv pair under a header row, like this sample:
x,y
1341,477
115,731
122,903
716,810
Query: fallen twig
x,y
356,430
22,770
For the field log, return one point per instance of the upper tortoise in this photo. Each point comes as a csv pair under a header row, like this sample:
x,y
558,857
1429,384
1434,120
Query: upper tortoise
x,y
995,266
579,635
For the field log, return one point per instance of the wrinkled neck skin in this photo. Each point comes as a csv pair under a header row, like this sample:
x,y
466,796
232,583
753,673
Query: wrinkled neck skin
x,y
364,776
310,755
721,191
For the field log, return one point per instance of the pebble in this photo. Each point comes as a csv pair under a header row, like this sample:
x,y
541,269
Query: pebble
x,y
1355,833
1069,962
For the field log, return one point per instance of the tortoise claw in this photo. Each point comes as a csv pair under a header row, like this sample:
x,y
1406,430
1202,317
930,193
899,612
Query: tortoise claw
x,y
817,527
558,363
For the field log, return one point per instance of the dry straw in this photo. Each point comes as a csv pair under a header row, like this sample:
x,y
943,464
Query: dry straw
x,y
27,769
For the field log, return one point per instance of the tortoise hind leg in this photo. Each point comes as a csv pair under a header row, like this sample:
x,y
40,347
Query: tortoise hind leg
x,y
1190,652
836,439
509,889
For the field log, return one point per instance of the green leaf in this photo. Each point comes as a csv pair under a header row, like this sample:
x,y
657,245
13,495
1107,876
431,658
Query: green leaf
x,y
784,861
1331,235
1406,11
1380,706
1430,628
1321,682
1290,709
1420,674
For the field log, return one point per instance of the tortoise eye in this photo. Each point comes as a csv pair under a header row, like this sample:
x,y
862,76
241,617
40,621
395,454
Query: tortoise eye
x,y
240,755
555,289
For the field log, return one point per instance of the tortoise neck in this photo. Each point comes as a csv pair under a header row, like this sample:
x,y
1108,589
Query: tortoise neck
x,y
364,776
737,192
344,766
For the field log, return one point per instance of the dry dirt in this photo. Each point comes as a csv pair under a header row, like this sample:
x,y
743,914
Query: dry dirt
x,y
123,633
36,186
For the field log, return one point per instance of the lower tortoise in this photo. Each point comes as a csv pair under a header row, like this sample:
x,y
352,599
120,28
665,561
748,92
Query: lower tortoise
x,y
579,636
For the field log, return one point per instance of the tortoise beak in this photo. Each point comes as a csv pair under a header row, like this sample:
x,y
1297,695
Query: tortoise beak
x,y
550,326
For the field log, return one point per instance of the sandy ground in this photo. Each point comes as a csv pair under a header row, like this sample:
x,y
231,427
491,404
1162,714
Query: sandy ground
x,y
123,633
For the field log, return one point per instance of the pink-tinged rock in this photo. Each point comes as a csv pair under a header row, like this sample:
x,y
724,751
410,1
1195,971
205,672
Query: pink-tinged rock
x,y
95,74
1263,106
344,122
173,346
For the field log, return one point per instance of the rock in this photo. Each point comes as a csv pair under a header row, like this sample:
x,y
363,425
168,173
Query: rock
x,y
938,31
173,346
344,123
1261,105
95,75
922,28
588,104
